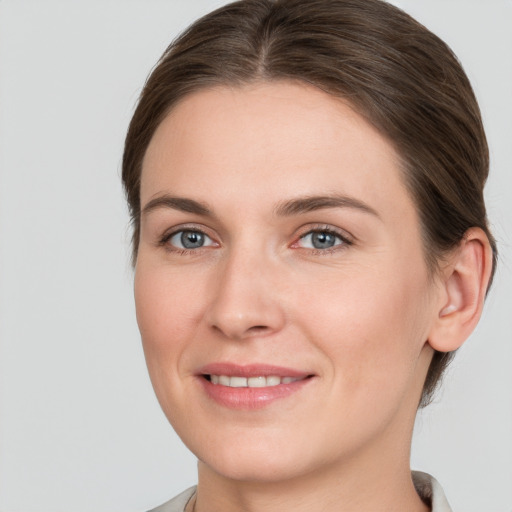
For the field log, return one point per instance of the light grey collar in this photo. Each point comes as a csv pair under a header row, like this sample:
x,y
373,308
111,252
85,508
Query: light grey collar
x,y
427,487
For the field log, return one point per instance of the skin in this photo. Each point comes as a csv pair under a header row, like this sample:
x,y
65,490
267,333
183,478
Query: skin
x,y
357,316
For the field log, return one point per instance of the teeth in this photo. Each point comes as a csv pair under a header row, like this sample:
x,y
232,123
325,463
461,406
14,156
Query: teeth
x,y
256,382
273,381
251,382
223,380
238,382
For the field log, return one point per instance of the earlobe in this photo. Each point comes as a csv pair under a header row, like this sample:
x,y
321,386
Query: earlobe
x,y
466,278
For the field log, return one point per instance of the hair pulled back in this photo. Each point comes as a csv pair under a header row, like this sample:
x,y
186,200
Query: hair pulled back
x,y
397,74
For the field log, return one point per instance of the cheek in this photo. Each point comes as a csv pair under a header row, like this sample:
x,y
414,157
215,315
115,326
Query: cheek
x,y
167,309
372,326
166,305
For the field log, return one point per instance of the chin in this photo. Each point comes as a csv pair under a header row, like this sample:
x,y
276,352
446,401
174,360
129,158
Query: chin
x,y
255,457
254,467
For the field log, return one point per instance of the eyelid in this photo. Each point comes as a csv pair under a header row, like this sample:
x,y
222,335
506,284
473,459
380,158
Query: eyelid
x,y
165,238
346,238
208,242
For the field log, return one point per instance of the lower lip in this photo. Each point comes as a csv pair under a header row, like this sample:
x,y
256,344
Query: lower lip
x,y
251,398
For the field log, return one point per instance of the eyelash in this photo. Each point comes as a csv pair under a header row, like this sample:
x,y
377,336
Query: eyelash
x,y
165,239
345,240
343,237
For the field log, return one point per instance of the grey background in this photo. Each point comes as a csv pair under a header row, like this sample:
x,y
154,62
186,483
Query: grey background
x,y
80,429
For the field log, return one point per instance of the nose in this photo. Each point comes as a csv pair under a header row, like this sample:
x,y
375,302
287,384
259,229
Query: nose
x,y
246,300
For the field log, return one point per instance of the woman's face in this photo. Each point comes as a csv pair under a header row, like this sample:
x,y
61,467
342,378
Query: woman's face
x,y
281,289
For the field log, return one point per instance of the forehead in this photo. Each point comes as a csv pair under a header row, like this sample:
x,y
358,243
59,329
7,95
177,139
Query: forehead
x,y
267,139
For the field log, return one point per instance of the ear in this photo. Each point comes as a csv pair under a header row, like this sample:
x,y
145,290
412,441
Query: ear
x,y
464,285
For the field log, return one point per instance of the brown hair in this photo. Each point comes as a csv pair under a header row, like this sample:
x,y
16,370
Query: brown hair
x,y
397,74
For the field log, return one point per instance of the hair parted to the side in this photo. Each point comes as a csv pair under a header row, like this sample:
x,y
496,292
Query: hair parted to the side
x,y
402,78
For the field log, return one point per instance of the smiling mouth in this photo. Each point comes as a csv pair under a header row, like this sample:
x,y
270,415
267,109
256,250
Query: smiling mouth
x,y
252,382
251,387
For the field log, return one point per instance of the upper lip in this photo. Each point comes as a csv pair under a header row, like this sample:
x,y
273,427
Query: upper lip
x,y
250,370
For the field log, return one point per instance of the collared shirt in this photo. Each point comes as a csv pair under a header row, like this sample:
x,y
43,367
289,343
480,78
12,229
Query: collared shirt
x,y
427,487
430,491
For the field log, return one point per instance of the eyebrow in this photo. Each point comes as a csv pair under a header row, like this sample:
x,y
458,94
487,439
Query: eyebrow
x,y
288,208
312,203
177,203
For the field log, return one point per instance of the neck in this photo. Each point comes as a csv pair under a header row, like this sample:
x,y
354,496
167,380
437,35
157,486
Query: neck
x,y
364,483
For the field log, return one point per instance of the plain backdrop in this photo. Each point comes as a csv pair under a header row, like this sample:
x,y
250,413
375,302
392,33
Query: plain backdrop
x,y
80,429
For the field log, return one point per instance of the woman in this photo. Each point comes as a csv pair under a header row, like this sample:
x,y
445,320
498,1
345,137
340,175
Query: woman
x,y
310,244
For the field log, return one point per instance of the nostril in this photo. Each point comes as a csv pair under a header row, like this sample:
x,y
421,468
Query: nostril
x,y
238,333
258,328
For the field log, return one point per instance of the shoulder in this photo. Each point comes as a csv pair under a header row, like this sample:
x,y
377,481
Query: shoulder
x,y
178,503
431,491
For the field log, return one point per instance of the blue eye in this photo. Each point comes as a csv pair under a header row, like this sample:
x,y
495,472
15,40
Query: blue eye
x,y
190,239
321,239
